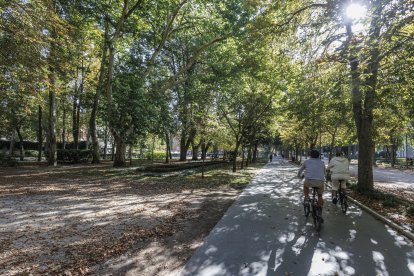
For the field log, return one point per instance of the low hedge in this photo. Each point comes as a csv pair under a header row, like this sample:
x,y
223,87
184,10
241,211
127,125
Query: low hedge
x,y
73,156
178,166
157,155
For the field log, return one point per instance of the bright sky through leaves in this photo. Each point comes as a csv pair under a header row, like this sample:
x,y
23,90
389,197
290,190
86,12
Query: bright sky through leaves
x,y
356,11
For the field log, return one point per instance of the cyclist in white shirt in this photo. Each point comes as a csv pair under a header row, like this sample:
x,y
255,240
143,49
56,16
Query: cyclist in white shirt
x,y
339,167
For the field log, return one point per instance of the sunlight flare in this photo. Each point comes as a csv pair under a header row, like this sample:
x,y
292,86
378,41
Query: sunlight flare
x,y
356,11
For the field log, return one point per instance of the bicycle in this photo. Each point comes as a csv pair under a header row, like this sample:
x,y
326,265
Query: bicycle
x,y
311,207
343,198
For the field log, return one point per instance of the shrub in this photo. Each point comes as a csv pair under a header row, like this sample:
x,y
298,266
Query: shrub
x,y
158,155
31,153
8,161
391,201
73,156
352,185
410,210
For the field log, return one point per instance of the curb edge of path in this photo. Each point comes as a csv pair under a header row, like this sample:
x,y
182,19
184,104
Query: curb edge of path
x,y
393,225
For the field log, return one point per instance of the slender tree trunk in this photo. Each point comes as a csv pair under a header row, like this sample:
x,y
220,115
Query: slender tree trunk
x,y
99,88
52,159
105,142
167,148
249,156
64,129
21,143
113,151
152,148
39,135
242,162
235,155
333,136
203,160
393,141
204,149
130,155
12,142
256,145
80,93
75,126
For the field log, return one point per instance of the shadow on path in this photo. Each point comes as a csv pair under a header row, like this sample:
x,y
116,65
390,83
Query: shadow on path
x,y
265,233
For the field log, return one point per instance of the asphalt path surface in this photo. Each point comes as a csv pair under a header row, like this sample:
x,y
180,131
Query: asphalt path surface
x,y
266,233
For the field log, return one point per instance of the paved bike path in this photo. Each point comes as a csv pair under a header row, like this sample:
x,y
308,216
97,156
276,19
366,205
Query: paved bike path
x,y
265,233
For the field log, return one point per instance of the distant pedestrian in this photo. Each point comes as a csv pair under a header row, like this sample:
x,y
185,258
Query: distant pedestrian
x,y
271,157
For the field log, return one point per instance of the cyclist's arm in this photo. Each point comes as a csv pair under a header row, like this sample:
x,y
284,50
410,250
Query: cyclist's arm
x,y
300,172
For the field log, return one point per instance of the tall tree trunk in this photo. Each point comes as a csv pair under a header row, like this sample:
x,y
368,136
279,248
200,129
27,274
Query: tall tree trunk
x,y
64,126
21,143
194,148
364,103
235,154
249,156
113,151
204,149
75,125
167,148
152,148
105,142
256,145
99,88
242,161
52,158
39,135
393,141
185,143
183,148
12,142
80,93
119,160
333,136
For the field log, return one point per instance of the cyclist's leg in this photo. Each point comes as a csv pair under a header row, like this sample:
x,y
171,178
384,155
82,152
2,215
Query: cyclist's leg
x,y
321,188
335,186
320,199
343,186
306,191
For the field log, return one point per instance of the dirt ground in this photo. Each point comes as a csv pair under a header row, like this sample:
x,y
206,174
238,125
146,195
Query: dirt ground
x,y
76,220
97,220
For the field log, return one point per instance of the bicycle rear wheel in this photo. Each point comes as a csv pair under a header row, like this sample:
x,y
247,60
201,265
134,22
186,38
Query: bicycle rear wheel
x,y
306,208
317,218
344,204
